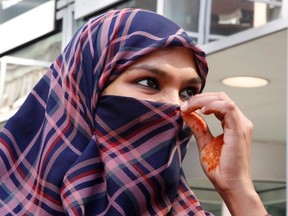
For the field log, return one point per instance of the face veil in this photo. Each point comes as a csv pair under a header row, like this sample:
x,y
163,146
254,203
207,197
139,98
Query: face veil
x,y
56,151
142,145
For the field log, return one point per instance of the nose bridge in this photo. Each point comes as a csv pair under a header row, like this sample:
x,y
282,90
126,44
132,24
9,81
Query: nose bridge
x,y
172,96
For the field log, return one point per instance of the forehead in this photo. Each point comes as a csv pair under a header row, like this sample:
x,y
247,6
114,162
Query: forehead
x,y
173,65
174,57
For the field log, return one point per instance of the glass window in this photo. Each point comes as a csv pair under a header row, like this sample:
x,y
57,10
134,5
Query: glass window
x,y
209,198
231,16
147,4
272,194
46,49
22,69
184,12
20,77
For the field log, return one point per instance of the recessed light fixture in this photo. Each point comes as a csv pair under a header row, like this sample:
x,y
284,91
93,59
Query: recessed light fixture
x,y
245,81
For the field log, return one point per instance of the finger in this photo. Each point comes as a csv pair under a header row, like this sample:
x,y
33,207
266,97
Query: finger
x,y
201,100
226,111
218,104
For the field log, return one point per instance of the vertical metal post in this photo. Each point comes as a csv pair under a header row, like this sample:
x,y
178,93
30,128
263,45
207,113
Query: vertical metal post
x,y
67,25
160,7
207,24
286,122
202,22
2,76
284,9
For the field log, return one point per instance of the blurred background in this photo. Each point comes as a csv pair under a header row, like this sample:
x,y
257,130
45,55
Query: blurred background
x,y
246,42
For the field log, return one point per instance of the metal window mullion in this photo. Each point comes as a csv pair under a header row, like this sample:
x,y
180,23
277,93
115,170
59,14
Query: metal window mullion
x,y
67,25
284,9
160,7
207,24
286,113
202,22
2,77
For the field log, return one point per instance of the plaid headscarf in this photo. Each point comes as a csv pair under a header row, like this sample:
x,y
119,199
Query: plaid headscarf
x,y
64,152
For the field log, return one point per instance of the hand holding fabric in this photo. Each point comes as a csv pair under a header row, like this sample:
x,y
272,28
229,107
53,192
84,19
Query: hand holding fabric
x,y
225,159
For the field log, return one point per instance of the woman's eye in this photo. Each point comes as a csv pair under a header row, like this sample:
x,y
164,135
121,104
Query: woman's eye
x,y
188,93
148,82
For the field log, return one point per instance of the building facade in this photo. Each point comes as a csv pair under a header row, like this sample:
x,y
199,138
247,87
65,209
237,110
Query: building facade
x,y
241,38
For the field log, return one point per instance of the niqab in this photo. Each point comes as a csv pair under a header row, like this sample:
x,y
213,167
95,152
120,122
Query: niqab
x,y
63,152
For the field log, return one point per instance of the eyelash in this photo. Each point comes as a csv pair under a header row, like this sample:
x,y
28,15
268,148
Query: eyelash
x,y
194,92
157,87
154,81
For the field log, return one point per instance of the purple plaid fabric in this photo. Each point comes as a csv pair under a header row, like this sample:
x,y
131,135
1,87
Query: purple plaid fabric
x,y
70,151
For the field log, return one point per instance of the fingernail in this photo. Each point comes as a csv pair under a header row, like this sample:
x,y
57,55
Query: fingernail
x,y
184,106
203,109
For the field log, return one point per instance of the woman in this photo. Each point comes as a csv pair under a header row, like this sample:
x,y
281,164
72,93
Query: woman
x,y
102,133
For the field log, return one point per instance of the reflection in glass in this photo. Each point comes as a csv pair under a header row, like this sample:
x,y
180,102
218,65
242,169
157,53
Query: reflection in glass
x,y
147,4
19,77
210,20
46,49
184,12
232,16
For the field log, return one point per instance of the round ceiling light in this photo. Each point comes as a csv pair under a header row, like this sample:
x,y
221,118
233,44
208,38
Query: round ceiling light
x,y
245,81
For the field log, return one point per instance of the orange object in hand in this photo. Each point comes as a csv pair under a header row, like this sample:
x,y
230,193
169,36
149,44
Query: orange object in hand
x,y
210,154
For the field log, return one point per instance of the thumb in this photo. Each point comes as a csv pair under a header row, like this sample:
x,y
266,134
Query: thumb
x,y
209,147
199,128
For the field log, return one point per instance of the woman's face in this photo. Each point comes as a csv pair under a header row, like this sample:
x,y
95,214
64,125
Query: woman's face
x,y
168,76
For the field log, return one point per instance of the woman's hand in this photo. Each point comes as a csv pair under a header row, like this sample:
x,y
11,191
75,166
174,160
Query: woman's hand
x,y
225,158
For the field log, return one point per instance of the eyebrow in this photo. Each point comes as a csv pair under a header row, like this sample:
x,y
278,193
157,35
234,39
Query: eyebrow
x,y
162,73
